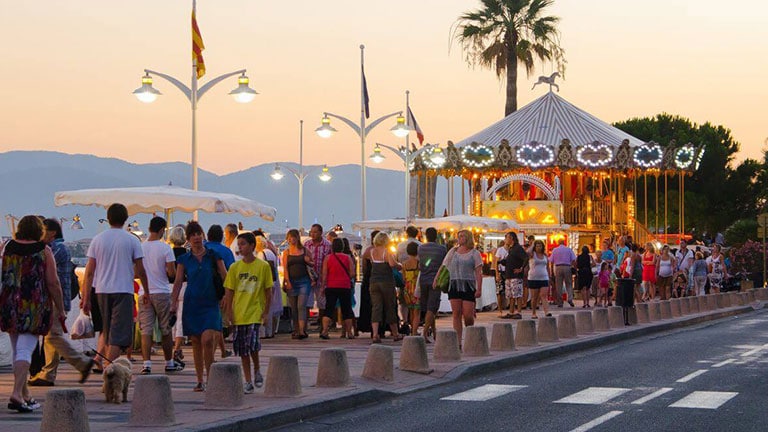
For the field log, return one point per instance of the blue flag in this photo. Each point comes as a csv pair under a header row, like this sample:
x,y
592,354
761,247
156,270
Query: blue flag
x,y
366,100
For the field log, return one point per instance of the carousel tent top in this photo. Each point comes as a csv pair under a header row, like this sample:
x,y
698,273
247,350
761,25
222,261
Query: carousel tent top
x,y
549,120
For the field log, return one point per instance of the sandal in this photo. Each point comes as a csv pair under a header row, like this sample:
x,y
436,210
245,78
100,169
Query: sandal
x,y
324,336
200,387
507,316
397,338
376,340
534,317
32,403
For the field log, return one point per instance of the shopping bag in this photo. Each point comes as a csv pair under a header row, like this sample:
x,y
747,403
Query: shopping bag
x,y
83,327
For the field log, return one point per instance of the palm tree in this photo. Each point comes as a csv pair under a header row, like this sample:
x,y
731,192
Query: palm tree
x,y
503,33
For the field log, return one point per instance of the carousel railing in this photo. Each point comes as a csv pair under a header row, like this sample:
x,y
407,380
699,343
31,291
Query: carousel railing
x,y
578,212
641,234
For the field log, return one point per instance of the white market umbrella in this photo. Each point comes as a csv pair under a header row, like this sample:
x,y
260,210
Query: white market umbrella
x,y
460,222
382,224
166,198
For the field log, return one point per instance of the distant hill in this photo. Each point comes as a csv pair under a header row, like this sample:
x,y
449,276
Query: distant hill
x,y
30,179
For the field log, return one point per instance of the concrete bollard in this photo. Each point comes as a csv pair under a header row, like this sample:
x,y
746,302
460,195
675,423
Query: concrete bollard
x,y
225,386
675,308
654,311
641,309
744,299
632,316
283,379
333,368
152,403
701,303
526,333
761,294
600,319
566,326
584,322
736,299
413,355
666,309
446,346
476,341
546,330
64,411
502,338
711,302
721,300
380,364
615,316
685,305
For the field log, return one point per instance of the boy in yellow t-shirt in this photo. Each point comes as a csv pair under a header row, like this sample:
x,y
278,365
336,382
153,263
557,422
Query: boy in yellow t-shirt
x,y
246,305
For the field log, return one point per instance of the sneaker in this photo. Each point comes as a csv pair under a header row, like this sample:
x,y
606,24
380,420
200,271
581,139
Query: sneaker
x,y
258,379
248,388
175,368
200,387
146,370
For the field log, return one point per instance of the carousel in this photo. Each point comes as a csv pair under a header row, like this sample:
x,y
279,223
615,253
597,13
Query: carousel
x,y
558,171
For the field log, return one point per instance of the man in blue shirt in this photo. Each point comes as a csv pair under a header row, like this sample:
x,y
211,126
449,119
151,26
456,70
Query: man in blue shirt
x,y
56,344
215,237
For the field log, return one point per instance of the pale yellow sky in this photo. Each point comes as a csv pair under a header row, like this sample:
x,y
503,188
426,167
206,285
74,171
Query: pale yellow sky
x,y
69,68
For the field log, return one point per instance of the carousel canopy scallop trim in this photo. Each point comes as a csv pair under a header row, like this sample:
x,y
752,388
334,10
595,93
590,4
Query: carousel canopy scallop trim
x,y
552,134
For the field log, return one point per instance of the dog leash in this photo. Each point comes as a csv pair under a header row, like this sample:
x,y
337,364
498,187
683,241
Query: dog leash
x,y
98,353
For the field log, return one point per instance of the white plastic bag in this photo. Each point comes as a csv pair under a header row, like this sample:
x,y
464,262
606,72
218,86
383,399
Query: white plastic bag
x,y
83,327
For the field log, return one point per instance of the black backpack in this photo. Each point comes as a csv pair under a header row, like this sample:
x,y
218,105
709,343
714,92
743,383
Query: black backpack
x,y
74,287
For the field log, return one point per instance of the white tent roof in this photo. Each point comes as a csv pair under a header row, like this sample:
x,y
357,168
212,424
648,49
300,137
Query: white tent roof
x,y
455,222
385,224
549,120
160,198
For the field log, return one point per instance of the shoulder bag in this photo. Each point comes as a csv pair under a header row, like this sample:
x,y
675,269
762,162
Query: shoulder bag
x,y
218,284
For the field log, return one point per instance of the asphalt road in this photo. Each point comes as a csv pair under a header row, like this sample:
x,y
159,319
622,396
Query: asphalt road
x,y
706,378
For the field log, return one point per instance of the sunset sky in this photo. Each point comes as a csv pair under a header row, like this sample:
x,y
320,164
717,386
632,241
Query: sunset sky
x,y
69,67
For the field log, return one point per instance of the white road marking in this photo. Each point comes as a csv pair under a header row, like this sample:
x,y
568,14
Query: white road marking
x,y
704,361
692,375
593,396
652,396
704,400
598,421
724,362
754,351
484,392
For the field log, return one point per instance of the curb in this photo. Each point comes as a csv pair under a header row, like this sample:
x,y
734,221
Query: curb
x,y
356,398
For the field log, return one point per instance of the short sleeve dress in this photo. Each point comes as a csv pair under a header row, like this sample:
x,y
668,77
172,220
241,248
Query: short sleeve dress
x,y
25,306
201,307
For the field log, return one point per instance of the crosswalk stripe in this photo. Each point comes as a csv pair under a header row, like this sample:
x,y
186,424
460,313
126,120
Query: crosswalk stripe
x,y
704,400
652,396
593,395
723,363
692,375
598,421
484,392
754,351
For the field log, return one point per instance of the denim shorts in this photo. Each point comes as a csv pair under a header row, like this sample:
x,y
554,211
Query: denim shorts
x,y
300,286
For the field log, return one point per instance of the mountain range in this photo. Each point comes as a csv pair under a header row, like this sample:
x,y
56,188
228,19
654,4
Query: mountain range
x,y
30,180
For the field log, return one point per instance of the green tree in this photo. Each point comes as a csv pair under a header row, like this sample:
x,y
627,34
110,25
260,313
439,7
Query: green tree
x,y
717,194
503,33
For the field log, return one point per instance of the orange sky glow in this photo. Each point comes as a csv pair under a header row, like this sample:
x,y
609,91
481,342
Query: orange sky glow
x,y
69,69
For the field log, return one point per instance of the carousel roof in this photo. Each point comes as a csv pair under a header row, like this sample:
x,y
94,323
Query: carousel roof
x,y
549,120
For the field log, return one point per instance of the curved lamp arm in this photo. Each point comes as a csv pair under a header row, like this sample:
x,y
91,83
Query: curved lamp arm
x,y
207,86
346,121
396,151
379,120
180,85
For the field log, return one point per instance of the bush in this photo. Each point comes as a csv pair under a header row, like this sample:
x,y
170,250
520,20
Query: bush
x,y
749,257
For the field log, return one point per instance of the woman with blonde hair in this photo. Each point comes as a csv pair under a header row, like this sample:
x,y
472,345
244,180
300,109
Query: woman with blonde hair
x,y
382,287
178,238
716,268
465,265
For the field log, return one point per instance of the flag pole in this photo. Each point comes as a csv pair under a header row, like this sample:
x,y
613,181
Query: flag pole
x,y
362,131
407,158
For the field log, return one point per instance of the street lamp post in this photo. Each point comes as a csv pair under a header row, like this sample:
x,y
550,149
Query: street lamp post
x,y
407,156
300,174
326,130
147,94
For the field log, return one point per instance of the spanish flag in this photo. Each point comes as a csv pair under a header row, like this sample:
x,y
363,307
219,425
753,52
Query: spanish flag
x,y
197,47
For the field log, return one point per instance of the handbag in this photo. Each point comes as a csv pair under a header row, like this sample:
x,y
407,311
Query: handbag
x,y
313,276
218,284
443,279
399,280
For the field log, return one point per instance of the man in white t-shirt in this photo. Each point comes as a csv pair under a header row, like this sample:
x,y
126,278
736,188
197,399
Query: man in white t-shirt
x,y
683,256
112,257
230,240
159,263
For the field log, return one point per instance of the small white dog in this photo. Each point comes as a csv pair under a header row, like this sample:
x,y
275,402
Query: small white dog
x,y
117,378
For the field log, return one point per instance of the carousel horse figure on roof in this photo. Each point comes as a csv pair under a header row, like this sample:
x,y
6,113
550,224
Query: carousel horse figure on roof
x,y
548,80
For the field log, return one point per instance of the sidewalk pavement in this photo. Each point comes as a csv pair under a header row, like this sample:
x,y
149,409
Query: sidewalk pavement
x,y
260,412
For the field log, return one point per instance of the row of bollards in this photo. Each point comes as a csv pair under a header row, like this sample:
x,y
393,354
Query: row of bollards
x,y
152,403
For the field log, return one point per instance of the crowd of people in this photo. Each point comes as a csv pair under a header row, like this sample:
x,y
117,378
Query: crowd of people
x,y
226,283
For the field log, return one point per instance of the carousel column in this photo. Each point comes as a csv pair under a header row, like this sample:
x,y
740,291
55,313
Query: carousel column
x,y
477,196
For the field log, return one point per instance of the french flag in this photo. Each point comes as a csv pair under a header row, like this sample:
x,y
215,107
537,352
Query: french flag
x,y
415,126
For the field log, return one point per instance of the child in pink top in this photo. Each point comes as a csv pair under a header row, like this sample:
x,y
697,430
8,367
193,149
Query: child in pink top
x,y
604,282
